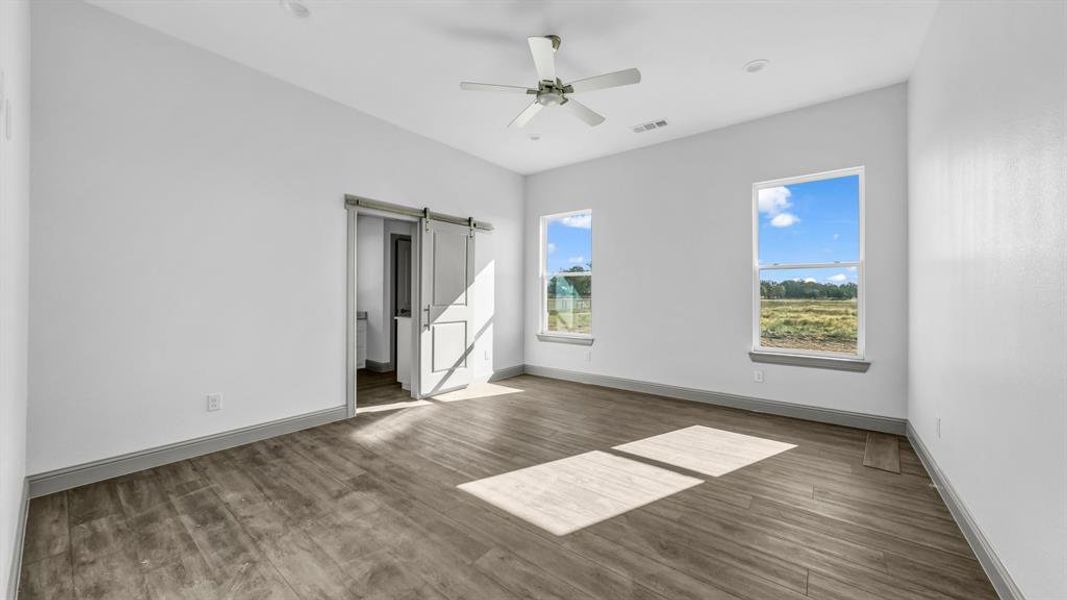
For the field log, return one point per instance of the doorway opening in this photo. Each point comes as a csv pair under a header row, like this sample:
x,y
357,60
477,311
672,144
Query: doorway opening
x,y
411,324
385,276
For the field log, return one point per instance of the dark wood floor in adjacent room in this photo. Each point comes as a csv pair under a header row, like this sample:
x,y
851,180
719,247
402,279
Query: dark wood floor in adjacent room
x,y
368,508
379,388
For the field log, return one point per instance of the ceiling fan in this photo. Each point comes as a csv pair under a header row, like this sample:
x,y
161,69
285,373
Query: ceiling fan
x,y
550,91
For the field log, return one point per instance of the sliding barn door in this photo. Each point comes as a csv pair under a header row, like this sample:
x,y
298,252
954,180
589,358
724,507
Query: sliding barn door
x,y
447,320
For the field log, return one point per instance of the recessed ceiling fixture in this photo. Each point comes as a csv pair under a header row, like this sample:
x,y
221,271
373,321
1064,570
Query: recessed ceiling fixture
x,y
296,8
754,66
551,91
534,137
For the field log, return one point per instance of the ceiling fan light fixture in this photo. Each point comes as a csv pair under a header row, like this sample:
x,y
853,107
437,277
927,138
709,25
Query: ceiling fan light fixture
x,y
550,99
755,66
550,91
295,8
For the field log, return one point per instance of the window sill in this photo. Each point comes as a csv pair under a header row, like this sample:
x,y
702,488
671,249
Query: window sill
x,y
856,365
580,340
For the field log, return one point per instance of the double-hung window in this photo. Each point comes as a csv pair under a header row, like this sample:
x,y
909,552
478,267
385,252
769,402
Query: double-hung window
x,y
567,276
808,267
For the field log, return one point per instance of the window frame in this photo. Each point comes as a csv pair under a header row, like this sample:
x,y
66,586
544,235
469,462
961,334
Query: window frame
x,y
861,317
543,333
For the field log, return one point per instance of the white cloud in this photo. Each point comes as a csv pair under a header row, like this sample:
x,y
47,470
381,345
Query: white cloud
x,y
576,260
785,220
852,268
837,235
551,247
775,203
809,280
774,200
839,278
579,221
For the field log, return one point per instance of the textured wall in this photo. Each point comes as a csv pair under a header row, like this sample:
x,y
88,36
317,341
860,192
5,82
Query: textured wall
x,y
988,274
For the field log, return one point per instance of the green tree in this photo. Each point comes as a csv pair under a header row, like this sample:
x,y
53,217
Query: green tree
x,y
807,290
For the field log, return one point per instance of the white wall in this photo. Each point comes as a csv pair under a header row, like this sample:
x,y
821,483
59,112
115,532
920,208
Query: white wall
x,y
672,242
370,283
988,264
14,247
188,236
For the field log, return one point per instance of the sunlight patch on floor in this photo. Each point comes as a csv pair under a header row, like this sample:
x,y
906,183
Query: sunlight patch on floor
x,y
387,428
480,390
393,406
566,495
705,450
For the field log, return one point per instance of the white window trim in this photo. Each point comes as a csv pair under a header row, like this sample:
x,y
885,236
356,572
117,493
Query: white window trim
x,y
861,336
543,333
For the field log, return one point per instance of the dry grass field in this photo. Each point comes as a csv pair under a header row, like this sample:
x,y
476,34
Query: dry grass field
x,y
823,325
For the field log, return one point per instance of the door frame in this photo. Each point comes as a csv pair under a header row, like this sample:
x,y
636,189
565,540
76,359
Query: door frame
x,y
351,390
361,205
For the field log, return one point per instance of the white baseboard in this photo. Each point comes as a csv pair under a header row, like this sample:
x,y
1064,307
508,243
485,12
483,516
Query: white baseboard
x,y
378,366
20,541
507,372
58,480
994,569
785,409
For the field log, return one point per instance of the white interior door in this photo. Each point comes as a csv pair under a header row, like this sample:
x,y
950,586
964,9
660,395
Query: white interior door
x,y
446,318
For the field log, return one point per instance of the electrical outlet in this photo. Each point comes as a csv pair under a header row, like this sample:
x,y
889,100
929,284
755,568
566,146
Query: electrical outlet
x,y
588,355
757,376
939,428
487,355
214,402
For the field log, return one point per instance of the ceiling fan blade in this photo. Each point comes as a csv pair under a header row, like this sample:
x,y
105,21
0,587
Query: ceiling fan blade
x,y
526,115
607,80
544,57
583,112
492,87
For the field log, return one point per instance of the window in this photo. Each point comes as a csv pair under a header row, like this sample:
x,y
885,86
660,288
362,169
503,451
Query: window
x,y
808,267
567,275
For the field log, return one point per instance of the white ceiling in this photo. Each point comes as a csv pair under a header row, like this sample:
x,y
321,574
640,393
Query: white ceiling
x,y
402,61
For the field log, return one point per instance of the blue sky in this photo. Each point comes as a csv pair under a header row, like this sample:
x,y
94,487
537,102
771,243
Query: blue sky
x,y
811,222
570,242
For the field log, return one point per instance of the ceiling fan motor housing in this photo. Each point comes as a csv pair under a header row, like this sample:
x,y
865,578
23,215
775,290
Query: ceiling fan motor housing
x,y
551,93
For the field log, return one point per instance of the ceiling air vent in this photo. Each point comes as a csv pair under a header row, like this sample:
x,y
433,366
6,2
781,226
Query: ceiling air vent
x,y
649,126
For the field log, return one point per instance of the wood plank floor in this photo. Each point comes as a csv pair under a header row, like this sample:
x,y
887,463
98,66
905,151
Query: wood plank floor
x,y
376,389
368,508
